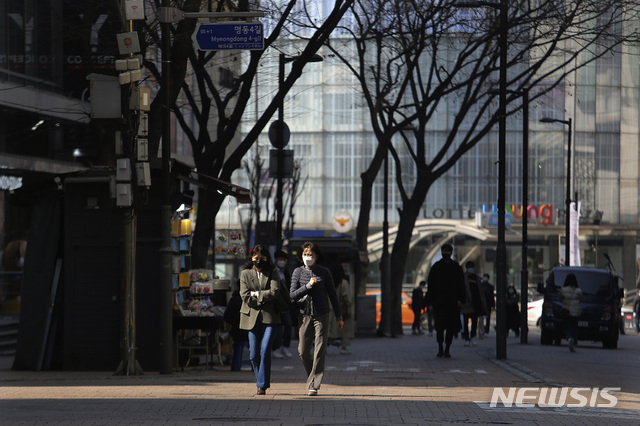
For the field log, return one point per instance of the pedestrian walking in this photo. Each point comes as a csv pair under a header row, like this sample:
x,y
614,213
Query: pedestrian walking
x,y
571,297
513,310
489,300
417,305
474,305
312,287
282,332
259,287
636,311
239,336
446,294
341,338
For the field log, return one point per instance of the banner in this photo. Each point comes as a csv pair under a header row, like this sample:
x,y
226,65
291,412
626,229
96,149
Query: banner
x,y
574,242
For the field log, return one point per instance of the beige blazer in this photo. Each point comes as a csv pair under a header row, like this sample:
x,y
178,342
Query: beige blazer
x,y
262,306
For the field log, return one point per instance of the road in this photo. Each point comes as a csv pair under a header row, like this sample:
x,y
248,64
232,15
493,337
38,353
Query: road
x,y
385,381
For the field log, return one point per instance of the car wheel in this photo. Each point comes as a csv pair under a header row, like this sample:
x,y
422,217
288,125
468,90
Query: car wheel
x,y
545,339
610,343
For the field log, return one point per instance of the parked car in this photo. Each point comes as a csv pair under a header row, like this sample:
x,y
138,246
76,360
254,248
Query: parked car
x,y
407,313
600,316
534,312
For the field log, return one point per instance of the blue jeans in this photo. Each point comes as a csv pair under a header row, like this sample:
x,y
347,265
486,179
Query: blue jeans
x,y
571,328
260,338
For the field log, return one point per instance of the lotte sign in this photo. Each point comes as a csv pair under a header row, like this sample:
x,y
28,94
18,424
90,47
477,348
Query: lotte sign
x,y
230,36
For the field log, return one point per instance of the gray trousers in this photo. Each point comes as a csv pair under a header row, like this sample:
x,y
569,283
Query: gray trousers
x,y
313,336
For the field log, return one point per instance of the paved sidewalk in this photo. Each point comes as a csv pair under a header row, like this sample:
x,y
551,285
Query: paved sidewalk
x,y
385,381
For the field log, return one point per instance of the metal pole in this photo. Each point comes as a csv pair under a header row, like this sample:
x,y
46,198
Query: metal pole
x,y
524,277
501,251
279,154
165,290
567,249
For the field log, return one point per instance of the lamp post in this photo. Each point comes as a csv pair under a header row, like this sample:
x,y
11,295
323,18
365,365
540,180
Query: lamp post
x,y
385,260
166,285
501,249
279,134
567,248
524,273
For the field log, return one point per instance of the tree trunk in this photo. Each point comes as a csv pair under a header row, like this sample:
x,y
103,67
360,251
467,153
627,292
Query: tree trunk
x,y
408,216
362,229
208,206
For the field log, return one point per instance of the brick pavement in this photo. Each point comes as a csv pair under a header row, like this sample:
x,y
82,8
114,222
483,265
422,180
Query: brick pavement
x,y
385,381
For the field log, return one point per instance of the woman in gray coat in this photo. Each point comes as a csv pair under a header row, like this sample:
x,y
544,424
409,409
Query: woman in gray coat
x,y
259,287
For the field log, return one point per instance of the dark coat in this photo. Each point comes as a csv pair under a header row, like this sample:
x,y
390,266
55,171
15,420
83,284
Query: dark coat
x,y
417,299
446,292
232,316
323,292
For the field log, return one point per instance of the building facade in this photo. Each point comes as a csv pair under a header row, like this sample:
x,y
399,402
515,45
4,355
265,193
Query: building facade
x,y
332,141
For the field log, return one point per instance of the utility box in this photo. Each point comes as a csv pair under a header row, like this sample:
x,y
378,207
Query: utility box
x,y
105,96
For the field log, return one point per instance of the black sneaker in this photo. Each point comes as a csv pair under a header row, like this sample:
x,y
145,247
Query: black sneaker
x,y
440,354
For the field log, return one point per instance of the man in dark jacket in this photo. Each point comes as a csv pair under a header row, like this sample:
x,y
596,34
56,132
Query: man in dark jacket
x,y
446,293
417,305
474,306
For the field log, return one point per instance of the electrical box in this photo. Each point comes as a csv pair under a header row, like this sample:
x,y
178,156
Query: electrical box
x,y
143,125
133,9
143,174
123,195
105,96
123,170
142,149
128,43
140,99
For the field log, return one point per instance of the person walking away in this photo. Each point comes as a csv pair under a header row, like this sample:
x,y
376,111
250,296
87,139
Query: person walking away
x,y
446,294
417,305
240,337
474,305
312,286
282,333
341,338
571,297
489,300
259,287
513,311
636,311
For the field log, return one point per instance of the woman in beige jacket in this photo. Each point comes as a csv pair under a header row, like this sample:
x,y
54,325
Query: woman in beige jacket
x,y
259,287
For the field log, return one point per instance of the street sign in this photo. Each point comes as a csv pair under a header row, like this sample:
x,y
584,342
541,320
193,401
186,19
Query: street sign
x,y
279,134
230,36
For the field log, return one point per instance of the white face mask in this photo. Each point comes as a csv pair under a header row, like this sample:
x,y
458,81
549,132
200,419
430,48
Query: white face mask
x,y
308,261
281,263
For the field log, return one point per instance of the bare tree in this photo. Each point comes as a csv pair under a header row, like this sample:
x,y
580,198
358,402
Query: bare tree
x,y
412,57
214,153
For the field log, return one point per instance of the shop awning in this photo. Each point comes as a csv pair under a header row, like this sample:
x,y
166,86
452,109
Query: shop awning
x,y
187,174
17,171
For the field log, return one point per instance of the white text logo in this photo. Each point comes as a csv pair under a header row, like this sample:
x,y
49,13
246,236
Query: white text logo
x,y
554,397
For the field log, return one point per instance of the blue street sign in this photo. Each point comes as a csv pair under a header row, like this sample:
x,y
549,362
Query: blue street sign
x,y
230,36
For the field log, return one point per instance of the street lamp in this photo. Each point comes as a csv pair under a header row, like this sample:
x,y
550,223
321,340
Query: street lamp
x,y
501,249
567,248
279,135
